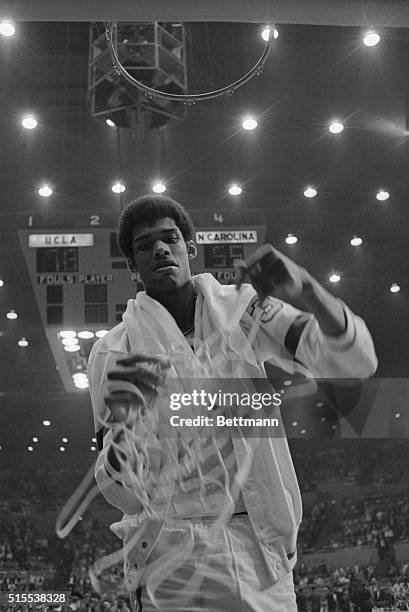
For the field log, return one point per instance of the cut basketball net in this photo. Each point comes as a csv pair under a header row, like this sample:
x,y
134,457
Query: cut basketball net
x,y
157,466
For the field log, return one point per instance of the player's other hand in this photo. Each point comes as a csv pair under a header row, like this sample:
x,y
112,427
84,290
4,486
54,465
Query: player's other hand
x,y
134,385
273,273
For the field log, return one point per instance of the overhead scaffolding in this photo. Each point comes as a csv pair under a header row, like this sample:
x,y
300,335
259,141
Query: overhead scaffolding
x,y
153,53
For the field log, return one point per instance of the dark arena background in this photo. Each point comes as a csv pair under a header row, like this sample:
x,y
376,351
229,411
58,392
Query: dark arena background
x,y
311,155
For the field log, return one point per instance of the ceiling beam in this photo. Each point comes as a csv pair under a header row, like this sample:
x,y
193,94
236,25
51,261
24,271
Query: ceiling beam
x,y
379,13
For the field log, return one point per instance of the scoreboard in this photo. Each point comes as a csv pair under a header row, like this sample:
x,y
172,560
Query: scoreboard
x,y
82,284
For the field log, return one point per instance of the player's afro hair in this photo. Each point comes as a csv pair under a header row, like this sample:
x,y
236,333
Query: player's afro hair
x,y
147,209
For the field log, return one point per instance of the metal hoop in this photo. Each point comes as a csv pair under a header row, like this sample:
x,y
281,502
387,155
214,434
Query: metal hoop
x,y
228,90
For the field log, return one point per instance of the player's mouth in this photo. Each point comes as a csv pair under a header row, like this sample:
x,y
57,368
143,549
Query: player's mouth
x,y
164,264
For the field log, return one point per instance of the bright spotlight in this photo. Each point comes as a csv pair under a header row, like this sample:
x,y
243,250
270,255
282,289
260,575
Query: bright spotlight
x,y
101,333
45,191
159,187
235,190
7,28
69,341
336,127
356,241
72,348
371,38
310,192
382,195
12,314
118,187
110,122
68,334
29,122
249,123
86,334
394,288
23,342
265,34
290,239
334,278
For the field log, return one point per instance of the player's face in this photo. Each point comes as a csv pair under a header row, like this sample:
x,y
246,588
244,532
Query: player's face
x,y
160,255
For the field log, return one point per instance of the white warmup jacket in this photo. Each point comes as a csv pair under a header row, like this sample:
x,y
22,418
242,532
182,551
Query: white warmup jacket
x,y
286,337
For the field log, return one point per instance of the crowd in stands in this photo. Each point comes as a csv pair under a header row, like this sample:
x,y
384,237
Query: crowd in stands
x,y
350,588
369,462
374,521
30,490
33,559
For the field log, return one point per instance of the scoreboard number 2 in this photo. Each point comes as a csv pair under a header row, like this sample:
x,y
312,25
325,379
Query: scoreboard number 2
x,y
94,220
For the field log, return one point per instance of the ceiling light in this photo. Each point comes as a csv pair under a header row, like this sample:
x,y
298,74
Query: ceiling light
x,y
62,449
356,241
12,314
382,195
68,334
110,123
69,341
394,288
93,448
294,423
118,187
85,334
101,333
30,449
46,423
7,28
336,127
45,191
65,440
93,439
80,376
310,192
1,282
23,342
249,123
335,277
303,431
72,348
29,122
265,34
35,439
159,187
371,38
81,384
235,190
290,239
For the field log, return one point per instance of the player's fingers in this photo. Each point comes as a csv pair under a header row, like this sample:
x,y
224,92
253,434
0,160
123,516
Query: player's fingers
x,y
138,375
142,357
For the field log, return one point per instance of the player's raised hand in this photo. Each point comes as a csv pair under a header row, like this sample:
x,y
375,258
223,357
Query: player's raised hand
x,y
273,273
134,385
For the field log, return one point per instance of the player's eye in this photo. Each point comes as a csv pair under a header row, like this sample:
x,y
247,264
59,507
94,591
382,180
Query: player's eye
x,y
171,238
144,246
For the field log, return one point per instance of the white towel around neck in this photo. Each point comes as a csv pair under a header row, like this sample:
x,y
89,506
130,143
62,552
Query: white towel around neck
x,y
151,329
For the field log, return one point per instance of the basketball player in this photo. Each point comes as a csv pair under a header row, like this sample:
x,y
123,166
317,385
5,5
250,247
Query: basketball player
x,y
300,327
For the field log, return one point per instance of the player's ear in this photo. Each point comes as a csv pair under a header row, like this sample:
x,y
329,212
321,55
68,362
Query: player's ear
x,y
191,249
131,264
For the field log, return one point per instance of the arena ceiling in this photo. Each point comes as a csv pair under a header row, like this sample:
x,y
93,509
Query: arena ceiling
x,y
318,69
